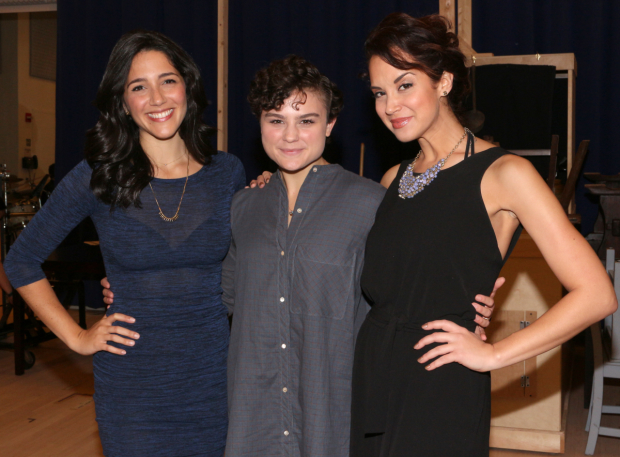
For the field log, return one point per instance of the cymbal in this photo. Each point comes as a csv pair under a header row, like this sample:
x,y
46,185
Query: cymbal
x,y
11,179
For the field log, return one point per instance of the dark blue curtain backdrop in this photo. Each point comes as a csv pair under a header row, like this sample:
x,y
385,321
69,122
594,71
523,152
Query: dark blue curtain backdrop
x,y
331,35
87,32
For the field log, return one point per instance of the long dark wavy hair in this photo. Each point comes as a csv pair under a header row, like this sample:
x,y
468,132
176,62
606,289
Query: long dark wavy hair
x,y
424,44
121,169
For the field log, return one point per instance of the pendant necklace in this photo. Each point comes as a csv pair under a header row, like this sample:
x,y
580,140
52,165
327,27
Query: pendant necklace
x,y
176,215
411,185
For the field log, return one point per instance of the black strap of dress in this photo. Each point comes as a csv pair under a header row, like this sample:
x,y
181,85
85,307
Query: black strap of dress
x,y
470,144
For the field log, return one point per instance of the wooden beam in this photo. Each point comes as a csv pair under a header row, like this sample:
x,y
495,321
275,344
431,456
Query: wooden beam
x,y
561,62
446,9
222,75
464,21
570,130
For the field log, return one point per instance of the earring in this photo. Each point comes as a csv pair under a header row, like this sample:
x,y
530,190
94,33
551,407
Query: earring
x,y
445,94
127,112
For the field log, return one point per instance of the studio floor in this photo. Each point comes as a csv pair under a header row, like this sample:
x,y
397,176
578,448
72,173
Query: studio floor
x,y
49,411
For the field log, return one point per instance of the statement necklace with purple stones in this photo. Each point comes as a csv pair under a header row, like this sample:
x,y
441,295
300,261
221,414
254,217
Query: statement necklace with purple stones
x,y
411,185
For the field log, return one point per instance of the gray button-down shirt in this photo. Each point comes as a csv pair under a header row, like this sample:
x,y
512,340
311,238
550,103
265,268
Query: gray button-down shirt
x,y
297,305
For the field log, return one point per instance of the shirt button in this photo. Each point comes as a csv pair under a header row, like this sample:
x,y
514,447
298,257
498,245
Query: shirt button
x,y
285,390
299,210
281,299
282,253
285,432
314,169
284,346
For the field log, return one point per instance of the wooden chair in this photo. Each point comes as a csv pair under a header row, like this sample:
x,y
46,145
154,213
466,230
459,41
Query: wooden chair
x,y
573,176
606,347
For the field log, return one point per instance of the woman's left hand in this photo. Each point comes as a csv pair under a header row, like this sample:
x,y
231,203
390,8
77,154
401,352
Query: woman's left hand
x,y
459,345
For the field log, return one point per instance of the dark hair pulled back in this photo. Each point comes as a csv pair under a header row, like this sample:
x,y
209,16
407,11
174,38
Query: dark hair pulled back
x,y
424,44
121,169
282,78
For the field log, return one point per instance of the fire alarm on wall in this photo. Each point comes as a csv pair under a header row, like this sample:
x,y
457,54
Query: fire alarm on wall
x,y
28,117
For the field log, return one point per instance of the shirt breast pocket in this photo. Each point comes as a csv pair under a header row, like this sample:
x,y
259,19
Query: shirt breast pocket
x,y
322,281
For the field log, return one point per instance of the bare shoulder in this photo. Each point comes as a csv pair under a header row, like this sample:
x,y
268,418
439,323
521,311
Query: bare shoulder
x,y
514,184
511,168
389,176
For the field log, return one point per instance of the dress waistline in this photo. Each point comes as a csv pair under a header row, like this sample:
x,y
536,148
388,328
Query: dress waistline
x,y
379,390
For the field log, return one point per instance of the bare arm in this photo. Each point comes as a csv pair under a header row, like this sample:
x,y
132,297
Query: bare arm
x,y
515,186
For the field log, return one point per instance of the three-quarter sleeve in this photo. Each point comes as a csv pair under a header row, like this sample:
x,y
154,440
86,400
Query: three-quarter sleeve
x,y
70,203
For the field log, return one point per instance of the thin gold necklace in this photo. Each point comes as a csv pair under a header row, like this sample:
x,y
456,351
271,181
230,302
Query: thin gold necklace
x,y
172,161
176,215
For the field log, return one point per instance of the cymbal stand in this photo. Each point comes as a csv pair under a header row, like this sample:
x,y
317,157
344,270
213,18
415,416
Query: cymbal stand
x,y
4,179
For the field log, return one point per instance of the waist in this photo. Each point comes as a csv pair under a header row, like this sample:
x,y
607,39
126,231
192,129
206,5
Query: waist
x,y
176,284
397,320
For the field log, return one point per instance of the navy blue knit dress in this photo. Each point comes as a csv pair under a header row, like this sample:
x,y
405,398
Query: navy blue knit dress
x,y
167,395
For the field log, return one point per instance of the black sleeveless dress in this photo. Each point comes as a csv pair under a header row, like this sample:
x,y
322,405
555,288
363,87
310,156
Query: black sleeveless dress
x,y
426,259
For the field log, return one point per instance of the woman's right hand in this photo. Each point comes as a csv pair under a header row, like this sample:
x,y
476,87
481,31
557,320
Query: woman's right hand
x,y
261,180
96,338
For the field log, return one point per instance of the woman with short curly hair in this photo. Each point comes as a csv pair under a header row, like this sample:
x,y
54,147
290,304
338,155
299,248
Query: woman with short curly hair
x,y
291,277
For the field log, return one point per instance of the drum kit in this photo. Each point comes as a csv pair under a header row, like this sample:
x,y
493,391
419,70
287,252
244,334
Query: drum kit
x,y
20,209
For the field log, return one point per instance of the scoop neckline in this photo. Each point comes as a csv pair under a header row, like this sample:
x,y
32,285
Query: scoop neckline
x,y
179,179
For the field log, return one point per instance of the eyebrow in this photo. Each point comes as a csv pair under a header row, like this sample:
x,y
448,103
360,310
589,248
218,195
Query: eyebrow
x,y
402,76
279,116
396,80
163,75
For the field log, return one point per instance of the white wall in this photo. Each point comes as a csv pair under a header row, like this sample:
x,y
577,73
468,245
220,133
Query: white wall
x,y
38,97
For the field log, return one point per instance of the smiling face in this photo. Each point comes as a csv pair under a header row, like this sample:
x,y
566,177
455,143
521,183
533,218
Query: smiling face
x,y
294,135
407,101
155,96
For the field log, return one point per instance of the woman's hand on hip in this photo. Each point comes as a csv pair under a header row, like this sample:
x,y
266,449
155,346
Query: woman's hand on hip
x,y
96,338
458,345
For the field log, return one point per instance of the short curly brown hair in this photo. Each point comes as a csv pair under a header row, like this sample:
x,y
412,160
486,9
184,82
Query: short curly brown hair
x,y
282,78
425,44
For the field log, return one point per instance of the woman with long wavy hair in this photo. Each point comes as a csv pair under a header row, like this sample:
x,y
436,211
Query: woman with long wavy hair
x,y
447,224
159,196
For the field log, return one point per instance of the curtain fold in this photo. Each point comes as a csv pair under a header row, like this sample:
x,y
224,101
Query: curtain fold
x,y
331,35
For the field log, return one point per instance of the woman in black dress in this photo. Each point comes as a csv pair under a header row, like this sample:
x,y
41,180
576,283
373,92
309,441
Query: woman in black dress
x,y
448,222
